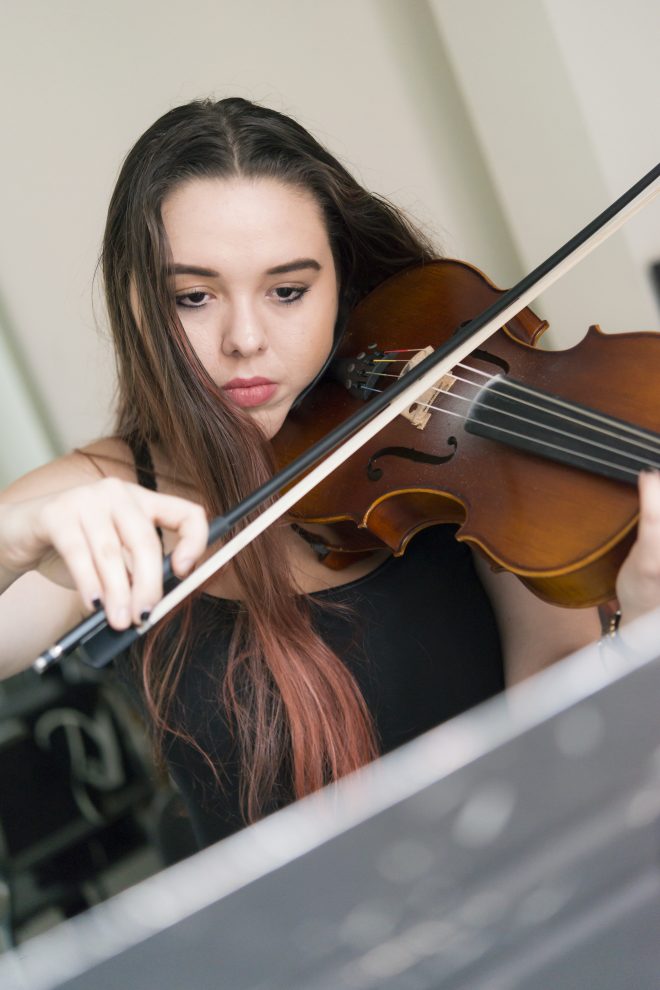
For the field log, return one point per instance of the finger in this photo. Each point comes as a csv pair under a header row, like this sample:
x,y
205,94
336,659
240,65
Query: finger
x,y
186,519
143,549
638,581
648,530
70,543
107,554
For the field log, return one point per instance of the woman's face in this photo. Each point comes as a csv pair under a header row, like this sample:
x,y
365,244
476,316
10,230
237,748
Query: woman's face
x,y
255,287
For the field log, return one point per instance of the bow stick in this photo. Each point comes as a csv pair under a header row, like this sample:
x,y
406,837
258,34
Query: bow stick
x,y
101,644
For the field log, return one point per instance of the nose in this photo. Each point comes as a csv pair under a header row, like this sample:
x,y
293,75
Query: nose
x,y
243,332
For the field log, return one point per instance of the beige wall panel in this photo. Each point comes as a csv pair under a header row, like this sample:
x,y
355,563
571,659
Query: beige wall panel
x,y
611,55
536,98
24,442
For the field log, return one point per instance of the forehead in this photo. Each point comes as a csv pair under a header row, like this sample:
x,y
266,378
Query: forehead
x,y
255,219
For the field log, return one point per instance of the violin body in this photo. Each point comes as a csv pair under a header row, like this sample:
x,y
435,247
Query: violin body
x,y
562,529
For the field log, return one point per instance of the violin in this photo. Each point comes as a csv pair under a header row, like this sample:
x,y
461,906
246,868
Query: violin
x,y
533,453
614,439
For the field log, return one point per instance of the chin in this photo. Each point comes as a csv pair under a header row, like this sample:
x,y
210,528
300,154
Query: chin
x,y
269,421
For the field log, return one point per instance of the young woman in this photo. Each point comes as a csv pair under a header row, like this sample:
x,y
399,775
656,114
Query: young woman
x,y
235,249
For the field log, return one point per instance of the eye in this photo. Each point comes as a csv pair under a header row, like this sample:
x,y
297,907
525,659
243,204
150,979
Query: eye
x,y
192,300
290,293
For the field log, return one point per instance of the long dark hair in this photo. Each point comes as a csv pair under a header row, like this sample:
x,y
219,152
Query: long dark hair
x,y
291,701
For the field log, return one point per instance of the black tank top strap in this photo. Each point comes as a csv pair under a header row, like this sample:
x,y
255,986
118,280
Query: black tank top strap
x,y
144,467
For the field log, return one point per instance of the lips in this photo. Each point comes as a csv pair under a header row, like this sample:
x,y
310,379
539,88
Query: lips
x,y
247,392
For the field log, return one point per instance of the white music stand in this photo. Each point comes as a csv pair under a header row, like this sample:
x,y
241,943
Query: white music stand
x,y
514,847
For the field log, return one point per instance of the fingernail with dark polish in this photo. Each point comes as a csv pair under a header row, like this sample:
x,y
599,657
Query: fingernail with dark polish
x,y
145,613
97,603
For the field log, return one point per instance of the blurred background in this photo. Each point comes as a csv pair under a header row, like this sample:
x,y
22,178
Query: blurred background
x,y
501,127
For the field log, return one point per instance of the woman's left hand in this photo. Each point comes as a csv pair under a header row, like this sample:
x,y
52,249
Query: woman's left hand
x,y
638,583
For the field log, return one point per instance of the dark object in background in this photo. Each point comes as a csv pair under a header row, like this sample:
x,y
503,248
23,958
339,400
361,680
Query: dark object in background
x,y
655,279
78,795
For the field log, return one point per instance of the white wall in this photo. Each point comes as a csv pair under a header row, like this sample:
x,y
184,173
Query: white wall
x,y
539,78
611,55
26,442
456,109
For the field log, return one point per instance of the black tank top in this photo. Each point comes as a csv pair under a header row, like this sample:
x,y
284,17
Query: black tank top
x,y
419,636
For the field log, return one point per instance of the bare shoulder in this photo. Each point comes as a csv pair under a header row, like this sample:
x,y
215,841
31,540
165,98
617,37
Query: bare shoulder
x,y
108,457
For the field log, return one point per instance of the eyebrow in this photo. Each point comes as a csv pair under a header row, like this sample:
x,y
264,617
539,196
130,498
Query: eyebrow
x,y
290,266
294,266
192,270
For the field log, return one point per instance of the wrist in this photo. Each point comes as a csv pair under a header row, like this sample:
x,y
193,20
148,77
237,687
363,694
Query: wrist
x,y
9,572
7,577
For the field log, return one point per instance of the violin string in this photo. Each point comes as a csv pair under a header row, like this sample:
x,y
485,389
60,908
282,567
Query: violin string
x,y
466,367
644,446
622,427
649,442
523,436
556,400
632,431
627,428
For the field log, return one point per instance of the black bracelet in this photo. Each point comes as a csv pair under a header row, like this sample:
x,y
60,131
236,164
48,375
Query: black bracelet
x,y
613,624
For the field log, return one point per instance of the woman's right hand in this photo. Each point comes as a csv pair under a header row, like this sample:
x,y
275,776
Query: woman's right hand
x,y
101,539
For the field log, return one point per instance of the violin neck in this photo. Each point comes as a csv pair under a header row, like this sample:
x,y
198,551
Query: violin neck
x,y
561,430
